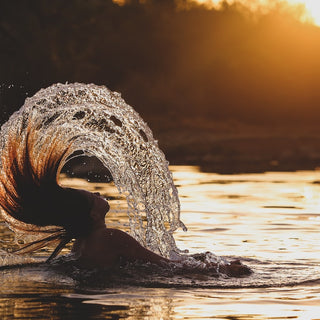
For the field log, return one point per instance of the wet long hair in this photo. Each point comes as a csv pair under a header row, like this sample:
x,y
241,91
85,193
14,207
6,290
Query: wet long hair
x,y
32,201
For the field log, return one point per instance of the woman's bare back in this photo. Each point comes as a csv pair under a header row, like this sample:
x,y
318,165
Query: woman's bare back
x,y
107,247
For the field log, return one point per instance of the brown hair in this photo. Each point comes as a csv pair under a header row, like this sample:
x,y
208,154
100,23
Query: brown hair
x,y
31,196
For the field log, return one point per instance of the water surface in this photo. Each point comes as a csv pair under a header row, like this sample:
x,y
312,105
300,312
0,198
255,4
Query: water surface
x,y
269,220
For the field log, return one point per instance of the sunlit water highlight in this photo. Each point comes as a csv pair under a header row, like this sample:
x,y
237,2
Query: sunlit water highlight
x,y
270,220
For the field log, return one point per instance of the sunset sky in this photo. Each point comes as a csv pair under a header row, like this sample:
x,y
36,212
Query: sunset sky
x,y
310,9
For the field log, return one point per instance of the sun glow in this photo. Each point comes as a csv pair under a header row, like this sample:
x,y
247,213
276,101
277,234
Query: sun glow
x,y
309,9
312,10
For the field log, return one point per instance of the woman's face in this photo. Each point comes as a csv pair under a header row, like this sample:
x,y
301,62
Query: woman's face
x,y
100,206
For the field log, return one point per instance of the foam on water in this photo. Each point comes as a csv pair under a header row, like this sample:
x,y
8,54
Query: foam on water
x,y
191,273
99,123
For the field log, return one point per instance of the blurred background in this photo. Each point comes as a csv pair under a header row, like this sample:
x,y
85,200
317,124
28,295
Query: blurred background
x,y
231,86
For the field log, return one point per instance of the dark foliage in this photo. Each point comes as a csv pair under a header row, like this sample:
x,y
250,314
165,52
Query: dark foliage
x,y
216,64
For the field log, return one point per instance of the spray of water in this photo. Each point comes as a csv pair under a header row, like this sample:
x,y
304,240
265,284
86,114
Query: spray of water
x,y
99,123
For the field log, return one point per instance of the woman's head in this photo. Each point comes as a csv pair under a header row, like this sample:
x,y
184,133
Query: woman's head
x,y
54,205
99,206
83,210
72,210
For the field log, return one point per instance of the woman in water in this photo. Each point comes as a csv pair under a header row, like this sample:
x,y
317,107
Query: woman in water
x,y
33,201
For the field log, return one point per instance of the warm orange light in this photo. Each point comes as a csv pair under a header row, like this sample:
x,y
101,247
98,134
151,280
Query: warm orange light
x,y
310,8
120,2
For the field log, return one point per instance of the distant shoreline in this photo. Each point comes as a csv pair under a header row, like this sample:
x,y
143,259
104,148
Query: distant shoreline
x,y
243,149
248,155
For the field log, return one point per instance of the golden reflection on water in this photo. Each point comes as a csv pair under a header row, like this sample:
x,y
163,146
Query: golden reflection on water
x,y
274,215
270,217
155,304
243,305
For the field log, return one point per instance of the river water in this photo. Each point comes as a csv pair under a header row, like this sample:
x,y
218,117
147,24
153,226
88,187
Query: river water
x,y
268,220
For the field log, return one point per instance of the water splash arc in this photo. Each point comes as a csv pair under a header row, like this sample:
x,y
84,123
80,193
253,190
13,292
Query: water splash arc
x,y
94,120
